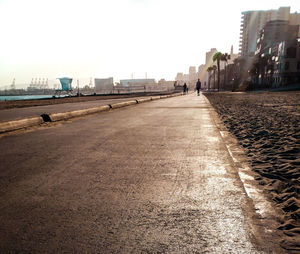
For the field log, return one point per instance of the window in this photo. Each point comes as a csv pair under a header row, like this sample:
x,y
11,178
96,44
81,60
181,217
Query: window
x,y
287,66
291,52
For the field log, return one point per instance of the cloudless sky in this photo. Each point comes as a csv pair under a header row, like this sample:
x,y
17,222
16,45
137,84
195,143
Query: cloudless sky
x,y
103,38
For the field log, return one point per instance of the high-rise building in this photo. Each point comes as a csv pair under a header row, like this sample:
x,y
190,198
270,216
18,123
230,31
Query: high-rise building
x,y
253,21
209,56
208,62
192,75
201,71
276,51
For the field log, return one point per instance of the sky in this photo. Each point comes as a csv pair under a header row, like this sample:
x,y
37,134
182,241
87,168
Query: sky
x,y
116,38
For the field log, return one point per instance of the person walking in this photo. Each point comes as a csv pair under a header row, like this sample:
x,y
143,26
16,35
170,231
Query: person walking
x,y
184,88
198,87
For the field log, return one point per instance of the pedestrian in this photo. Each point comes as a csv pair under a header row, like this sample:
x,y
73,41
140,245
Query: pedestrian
x,y
184,88
198,87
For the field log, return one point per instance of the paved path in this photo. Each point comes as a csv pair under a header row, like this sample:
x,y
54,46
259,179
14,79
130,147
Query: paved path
x,y
19,113
151,178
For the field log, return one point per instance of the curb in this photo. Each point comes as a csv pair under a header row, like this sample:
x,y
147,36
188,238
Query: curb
x,y
123,104
19,124
67,115
154,98
54,117
144,100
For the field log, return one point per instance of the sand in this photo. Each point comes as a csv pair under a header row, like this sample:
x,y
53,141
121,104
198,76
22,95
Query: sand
x,y
267,125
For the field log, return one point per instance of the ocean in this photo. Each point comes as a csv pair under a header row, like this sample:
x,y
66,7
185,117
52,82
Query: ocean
x,y
24,97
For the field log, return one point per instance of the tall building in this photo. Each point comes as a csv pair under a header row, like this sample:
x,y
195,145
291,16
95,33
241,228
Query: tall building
x,y
253,21
276,59
201,71
192,75
209,55
208,62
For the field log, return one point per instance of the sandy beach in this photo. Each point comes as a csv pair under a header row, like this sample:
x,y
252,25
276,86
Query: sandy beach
x,y
266,124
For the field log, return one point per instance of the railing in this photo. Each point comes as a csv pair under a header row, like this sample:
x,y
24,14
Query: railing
x,y
138,89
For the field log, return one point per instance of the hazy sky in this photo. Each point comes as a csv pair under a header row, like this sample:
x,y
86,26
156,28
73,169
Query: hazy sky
x,y
103,38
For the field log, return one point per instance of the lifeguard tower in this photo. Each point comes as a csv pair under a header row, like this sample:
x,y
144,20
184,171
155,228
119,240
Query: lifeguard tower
x,y
66,86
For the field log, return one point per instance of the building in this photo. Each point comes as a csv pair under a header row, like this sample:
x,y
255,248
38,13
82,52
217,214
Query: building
x,y
209,55
104,85
136,82
201,71
233,56
253,21
277,55
193,76
179,78
208,62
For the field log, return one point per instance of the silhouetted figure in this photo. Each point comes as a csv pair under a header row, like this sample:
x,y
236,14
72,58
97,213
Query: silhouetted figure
x,y
198,87
184,88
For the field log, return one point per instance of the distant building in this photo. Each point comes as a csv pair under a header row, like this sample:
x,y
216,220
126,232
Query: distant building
x,y
104,85
253,21
166,85
179,78
136,82
208,62
193,76
201,71
209,56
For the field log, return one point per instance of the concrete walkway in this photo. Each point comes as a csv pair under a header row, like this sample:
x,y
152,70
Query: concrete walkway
x,y
151,178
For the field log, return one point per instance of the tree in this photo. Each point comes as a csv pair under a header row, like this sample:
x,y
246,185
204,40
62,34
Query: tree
x,y
225,57
209,70
240,71
217,57
214,70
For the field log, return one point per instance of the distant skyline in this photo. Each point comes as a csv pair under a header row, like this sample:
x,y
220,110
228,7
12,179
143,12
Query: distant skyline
x,y
116,38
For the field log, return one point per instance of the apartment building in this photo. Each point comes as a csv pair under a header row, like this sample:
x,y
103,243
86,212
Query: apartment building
x,y
253,21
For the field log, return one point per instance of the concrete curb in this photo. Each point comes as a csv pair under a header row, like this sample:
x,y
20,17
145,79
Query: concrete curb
x,y
154,98
123,104
143,100
19,124
54,117
67,115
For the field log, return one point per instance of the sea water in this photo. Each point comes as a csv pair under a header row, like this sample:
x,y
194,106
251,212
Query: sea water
x,y
24,97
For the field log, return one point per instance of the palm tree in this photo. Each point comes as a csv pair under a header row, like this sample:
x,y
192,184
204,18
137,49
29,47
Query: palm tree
x,y
214,69
224,58
217,57
240,71
209,70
